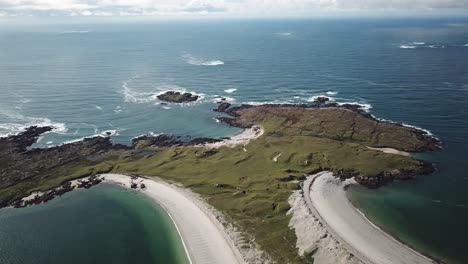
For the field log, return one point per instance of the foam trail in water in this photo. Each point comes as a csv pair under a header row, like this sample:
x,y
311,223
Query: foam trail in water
x,y
198,62
284,33
331,93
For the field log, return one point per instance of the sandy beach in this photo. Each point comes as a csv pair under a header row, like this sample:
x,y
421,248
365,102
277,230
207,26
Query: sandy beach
x,y
326,198
205,238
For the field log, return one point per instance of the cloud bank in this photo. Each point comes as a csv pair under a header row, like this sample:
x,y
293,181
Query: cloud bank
x,y
215,7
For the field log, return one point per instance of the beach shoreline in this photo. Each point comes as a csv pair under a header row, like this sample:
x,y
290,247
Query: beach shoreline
x,y
325,196
206,236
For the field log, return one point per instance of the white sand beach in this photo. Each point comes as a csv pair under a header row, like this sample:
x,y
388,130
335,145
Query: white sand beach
x,y
326,198
205,237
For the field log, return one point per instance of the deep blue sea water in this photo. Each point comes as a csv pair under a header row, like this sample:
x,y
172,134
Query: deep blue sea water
x,y
90,78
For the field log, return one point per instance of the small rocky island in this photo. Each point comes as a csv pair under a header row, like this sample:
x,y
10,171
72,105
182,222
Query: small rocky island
x,y
249,183
178,97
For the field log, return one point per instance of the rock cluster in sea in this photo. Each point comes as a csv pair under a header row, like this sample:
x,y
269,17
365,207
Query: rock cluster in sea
x,y
178,97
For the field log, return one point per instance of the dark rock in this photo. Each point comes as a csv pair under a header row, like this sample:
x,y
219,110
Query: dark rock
x,y
222,107
177,97
321,99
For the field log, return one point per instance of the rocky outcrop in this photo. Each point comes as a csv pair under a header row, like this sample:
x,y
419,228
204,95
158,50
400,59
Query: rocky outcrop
x,y
386,177
178,97
321,99
222,107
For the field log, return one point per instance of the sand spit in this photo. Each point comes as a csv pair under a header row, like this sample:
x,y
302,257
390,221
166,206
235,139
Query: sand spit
x,y
328,224
207,236
238,140
392,151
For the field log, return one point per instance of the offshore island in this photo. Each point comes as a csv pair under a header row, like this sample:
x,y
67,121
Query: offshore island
x,y
273,194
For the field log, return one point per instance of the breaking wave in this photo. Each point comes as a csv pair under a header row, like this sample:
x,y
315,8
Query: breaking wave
x,y
332,93
75,32
230,90
198,62
407,47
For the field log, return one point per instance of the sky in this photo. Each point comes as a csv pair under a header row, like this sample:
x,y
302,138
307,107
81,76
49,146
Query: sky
x,y
226,8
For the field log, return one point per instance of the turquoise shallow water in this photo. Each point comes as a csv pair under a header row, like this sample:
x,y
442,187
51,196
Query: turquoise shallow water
x,y
89,78
106,224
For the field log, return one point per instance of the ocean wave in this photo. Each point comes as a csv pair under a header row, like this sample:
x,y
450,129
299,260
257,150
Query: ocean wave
x,y
75,32
332,93
198,62
98,107
418,43
466,45
407,47
284,33
230,90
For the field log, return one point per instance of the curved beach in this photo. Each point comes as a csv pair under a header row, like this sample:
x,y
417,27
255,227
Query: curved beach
x,y
325,195
204,238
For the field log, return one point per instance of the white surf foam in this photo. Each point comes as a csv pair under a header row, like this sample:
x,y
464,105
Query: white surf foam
x,y
427,132
199,62
230,90
104,134
363,106
436,46
98,107
332,93
466,45
407,47
8,129
418,43
284,33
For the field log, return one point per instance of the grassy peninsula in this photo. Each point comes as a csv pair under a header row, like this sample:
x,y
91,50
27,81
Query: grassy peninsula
x,y
250,184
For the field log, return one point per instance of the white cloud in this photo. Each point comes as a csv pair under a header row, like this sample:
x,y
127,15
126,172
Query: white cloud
x,y
226,7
